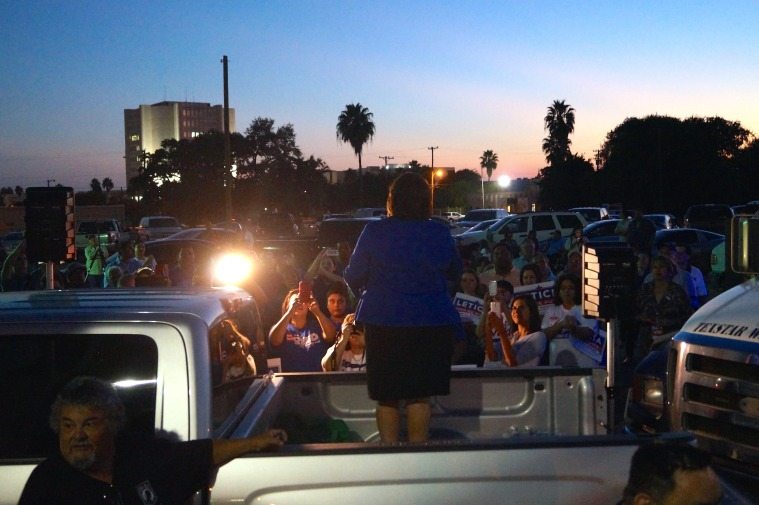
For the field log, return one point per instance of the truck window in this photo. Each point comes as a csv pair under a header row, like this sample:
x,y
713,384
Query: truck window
x,y
35,367
568,222
236,348
543,223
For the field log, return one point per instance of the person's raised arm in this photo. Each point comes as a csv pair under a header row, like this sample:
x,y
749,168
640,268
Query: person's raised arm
x,y
277,332
225,450
495,322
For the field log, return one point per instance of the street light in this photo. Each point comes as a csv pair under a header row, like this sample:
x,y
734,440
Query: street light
x,y
440,173
503,182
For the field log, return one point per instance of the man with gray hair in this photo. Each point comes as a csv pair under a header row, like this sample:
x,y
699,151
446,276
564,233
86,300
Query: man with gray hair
x,y
96,465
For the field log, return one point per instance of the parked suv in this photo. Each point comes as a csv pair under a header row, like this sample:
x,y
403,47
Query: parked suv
x,y
155,227
475,216
592,214
543,223
708,216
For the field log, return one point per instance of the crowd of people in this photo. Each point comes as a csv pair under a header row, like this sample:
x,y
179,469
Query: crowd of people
x,y
402,305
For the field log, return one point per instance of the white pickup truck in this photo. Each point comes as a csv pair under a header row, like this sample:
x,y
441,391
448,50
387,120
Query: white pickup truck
x,y
502,436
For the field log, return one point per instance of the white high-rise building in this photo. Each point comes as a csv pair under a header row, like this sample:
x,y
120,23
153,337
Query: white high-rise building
x,y
149,125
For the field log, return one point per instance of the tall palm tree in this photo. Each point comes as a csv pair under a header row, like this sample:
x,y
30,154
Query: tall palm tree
x,y
560,123
355,126
489,161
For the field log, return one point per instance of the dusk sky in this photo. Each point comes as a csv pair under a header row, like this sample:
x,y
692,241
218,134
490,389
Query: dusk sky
x,y
462,76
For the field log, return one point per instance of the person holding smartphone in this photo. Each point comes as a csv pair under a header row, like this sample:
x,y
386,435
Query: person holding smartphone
x,y
95,256
298,339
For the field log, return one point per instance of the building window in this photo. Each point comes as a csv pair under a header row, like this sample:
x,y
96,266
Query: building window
x,y
134,138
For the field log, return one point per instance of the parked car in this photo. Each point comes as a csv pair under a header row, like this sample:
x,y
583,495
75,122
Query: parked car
x,y
701,243
370,212
347,229
276,225
219,235
542,223
662,221
592,214
708,216
155,227
477,234
11,240
749,208
453,215
475,216
602,232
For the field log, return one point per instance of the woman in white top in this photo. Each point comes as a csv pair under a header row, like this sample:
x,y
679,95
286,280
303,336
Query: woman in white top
x,y
526,346
564,318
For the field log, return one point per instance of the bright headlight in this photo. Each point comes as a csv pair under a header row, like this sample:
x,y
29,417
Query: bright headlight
x,y
231,269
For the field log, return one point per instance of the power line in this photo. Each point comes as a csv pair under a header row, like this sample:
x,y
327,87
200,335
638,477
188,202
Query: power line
x,y
386,158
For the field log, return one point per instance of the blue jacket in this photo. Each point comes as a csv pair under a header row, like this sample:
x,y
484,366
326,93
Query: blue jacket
x,y
404,265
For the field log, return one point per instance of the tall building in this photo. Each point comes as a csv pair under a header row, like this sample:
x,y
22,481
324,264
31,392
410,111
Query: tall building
x,y
149,125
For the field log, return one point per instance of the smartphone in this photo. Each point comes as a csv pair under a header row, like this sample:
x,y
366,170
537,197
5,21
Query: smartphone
x,y
304,291
493,288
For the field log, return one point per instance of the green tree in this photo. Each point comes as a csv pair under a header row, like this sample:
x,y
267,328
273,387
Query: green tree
x,y
646,161
489,161
560,123
355,126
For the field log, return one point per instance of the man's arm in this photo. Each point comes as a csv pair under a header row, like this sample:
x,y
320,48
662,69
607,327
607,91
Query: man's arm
x,y
225,450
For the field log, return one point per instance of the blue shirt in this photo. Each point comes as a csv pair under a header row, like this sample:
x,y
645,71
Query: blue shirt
x,y
404,265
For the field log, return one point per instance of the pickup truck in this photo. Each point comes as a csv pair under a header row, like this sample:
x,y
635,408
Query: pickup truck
x,y
110,233
534,435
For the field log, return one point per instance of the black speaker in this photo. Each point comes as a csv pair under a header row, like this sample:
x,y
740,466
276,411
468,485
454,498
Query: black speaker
x,y
50,224
608,281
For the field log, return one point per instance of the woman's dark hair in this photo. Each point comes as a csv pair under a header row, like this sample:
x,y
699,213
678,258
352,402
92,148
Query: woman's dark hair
x,y
533,324
409,197
557,287
529,267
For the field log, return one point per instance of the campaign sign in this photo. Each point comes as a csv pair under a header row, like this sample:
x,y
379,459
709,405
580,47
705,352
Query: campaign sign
x,y
543,294
469,307
595,348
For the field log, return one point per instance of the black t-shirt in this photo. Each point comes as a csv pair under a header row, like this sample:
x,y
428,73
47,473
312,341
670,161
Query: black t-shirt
x,y
146,472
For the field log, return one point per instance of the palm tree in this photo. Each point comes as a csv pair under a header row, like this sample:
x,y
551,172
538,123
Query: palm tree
x,y
489,161
355,126
560,123
107,184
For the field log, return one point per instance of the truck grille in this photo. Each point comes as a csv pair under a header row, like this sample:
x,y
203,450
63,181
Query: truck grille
x,y
716,396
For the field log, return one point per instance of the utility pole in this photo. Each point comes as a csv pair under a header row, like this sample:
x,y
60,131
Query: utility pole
x,y
432,166
386,158
49,181
227,148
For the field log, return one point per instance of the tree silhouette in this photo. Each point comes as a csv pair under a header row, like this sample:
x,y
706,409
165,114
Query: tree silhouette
x,y
107,184
560,123
355,126
95,186
489,161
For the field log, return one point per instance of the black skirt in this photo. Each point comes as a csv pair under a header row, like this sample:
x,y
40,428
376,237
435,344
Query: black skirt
x,y
408,362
